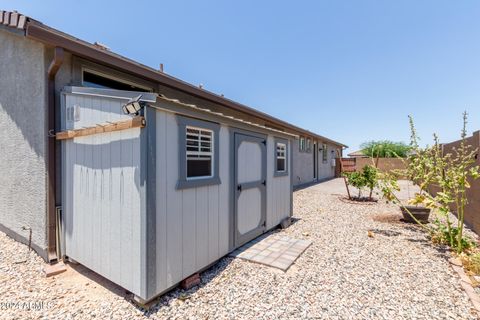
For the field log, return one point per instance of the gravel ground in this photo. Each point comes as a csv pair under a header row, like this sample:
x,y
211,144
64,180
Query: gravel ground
x,y
391,272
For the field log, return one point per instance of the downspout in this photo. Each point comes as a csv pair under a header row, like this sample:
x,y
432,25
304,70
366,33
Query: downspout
x,y
52,156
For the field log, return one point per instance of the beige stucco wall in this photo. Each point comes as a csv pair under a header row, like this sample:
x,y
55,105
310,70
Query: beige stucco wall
x,y
472,210
384,164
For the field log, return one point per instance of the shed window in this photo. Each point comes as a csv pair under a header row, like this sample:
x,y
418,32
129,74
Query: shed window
x,y
281,157
199,145
324,153
198,157
309,144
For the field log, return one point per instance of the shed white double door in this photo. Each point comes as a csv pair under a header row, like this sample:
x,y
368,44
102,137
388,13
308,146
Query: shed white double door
x,y
250,187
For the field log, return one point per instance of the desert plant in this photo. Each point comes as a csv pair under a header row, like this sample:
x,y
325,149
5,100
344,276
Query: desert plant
x,y
430,168
385,149
472,262
367,178
447,235
356,179
370,174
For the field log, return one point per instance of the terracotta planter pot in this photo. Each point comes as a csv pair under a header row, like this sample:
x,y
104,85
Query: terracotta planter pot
x,y
420,213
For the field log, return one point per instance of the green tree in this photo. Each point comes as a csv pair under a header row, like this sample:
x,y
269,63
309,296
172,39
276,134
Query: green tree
x,y
367,178
449,173
385,149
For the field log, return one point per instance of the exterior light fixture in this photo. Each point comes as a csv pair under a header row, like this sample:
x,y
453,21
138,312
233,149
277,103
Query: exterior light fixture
x,y
133,106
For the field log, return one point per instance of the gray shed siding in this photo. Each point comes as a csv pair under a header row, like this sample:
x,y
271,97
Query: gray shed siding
x,y
278,188
23,139
102,194
141,231
192,224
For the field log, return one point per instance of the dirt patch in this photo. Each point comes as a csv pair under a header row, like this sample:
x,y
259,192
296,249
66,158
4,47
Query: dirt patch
x,y
388,218
355,200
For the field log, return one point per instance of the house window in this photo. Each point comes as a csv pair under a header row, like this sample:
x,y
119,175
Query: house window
x,y
198,153
199,147
98,80
309,144
302,143
281,156
324,152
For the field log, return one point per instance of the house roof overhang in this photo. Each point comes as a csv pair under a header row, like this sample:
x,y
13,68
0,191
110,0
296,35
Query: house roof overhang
x,y
40,32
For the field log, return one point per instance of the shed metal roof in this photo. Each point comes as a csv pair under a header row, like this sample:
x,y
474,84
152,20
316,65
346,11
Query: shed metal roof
x,y
154,97
40,32
221,115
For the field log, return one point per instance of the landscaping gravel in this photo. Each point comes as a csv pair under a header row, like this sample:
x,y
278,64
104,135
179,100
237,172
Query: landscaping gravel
x,y
363,264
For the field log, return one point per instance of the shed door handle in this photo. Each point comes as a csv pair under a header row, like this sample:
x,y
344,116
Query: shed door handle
x,y
239,187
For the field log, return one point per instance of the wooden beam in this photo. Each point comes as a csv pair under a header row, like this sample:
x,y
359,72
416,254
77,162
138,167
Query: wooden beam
x,y
136,122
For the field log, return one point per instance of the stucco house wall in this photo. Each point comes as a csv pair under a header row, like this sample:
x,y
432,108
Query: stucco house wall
x,y
302,165
23,139
326,169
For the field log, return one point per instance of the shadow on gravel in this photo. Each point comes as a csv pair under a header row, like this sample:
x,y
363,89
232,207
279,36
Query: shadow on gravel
x,y
387,233
184,295
294,220
164,300
418,240
98,279
387,218
206,276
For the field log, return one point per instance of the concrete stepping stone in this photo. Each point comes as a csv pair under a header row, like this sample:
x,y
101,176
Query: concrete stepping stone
x,y
273,251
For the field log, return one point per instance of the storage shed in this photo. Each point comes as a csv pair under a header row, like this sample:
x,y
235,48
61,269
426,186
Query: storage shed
x,y
152,198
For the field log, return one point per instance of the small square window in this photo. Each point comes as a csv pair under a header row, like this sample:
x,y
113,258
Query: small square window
x,y
199,151
281,156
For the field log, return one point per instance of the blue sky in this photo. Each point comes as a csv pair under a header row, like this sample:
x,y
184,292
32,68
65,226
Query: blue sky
x,y
349,70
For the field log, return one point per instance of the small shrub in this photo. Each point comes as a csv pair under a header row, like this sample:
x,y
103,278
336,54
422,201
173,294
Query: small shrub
x,y
472,262
356,180
450,173
367,178
442,235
